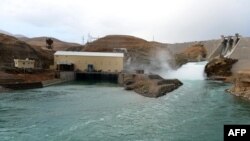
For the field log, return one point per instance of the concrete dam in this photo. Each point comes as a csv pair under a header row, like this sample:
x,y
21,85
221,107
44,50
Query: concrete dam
x,y
235,47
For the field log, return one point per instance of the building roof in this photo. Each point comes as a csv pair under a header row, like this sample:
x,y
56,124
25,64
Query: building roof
x,y
102,54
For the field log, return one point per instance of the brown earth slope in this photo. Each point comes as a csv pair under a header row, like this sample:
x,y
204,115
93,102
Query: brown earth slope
x,y
57,44
141,52
12,48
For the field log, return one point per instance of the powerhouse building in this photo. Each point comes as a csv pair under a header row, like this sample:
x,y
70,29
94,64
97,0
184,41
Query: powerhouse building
x,y
88,61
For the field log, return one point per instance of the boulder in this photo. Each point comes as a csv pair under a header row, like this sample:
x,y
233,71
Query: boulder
x,y
148,85
219,67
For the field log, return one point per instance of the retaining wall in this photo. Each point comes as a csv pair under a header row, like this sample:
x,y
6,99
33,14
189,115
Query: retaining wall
x,y
22,86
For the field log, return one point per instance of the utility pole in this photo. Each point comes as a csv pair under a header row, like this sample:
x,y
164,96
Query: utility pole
x,y
83,40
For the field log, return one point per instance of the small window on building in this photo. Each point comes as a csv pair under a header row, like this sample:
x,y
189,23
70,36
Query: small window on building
x,y
23,63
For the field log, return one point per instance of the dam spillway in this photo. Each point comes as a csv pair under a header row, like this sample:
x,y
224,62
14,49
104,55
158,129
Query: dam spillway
x,y
226,47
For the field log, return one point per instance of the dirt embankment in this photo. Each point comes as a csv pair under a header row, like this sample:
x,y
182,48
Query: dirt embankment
x,y
19,80
35,76
194,53
241,85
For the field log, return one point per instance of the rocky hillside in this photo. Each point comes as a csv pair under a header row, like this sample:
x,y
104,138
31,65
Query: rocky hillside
x,y
144,53
11,47
141,53
57,44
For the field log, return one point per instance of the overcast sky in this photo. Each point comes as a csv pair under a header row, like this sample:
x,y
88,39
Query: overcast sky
x,y
167,21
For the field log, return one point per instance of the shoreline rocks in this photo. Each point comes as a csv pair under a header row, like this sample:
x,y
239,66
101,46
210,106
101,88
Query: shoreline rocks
x,y
148,85
241,85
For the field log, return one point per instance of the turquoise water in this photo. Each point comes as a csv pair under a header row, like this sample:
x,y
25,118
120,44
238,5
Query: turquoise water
x,y
196,111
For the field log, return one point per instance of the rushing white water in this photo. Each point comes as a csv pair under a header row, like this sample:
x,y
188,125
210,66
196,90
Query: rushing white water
x,y
189,71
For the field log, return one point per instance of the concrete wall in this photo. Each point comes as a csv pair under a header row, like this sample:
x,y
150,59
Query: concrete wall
x,y
242,50
100,63
242,53
242,64
22,86
53,82
67,75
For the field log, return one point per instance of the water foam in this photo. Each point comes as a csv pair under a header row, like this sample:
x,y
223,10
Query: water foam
x,y
189,71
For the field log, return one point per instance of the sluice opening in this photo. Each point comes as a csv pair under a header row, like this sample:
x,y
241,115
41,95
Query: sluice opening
x,y
95,77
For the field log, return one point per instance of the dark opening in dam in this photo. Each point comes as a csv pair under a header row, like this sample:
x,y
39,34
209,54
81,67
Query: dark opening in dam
x,y
97,77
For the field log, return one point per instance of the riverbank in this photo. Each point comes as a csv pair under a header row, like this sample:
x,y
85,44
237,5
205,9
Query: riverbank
x,y
241,85
16,81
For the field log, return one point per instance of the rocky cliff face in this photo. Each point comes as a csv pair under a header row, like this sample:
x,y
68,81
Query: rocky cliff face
x,y
148,85
219,67
194,53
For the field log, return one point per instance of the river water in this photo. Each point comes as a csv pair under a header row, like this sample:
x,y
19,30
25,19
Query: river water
x,y
76,111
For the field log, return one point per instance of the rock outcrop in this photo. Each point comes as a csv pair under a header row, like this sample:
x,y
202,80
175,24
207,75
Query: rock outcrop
x,y
194,53
241,85
148,85
219,68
